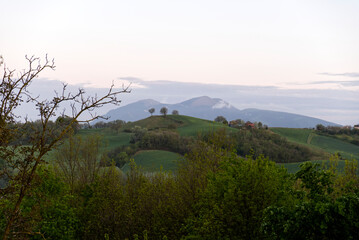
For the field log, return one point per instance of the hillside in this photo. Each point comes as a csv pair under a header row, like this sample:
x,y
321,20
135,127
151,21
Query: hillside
x,y
309,138
209,108
168,137
184,125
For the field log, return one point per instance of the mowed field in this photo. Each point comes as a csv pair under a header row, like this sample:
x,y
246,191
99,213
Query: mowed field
x,y
309,138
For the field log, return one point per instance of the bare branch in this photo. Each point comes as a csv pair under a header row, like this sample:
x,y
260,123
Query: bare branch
x,y
21,162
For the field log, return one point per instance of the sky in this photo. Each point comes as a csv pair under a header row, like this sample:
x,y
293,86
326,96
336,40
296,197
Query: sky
x,y
284,44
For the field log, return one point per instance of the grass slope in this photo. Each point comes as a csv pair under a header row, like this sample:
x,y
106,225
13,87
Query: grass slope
x,y
192,126
309,138
154,160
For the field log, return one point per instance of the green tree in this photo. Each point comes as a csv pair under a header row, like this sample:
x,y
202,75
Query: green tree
x,y
316,214
164,111
233,203
79,160
151,111
221,119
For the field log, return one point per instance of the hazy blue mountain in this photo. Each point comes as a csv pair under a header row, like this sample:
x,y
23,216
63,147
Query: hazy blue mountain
x,y
209,108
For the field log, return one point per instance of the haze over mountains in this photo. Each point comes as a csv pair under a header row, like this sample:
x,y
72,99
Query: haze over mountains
x,y
209,108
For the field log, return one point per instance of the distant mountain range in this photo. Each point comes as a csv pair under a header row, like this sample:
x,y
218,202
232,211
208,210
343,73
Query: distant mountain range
x,y
209,108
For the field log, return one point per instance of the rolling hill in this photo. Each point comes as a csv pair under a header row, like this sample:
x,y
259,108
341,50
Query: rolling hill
x,y
209,108
186,126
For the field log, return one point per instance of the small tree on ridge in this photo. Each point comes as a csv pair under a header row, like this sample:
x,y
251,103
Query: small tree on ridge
x,y
151,111
164,111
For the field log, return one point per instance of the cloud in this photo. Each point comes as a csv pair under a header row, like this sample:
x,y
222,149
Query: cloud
x,y
131,79
350,74
133,82
344,83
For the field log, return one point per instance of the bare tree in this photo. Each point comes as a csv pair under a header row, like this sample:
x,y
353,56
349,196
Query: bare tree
x,y
151,111
21,162
164,111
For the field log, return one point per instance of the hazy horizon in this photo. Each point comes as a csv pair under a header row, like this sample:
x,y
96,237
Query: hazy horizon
x,y
319,103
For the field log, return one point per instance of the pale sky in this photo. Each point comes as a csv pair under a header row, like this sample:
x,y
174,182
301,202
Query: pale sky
x,y
303,47
276,42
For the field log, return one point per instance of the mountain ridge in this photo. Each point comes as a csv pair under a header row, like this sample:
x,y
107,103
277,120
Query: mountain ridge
x,y
209,108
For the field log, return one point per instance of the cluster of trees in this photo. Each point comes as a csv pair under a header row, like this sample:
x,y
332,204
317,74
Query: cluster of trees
x,y
114,125
277,148
258,142
239,123
215,194
163,111
27,132
333,130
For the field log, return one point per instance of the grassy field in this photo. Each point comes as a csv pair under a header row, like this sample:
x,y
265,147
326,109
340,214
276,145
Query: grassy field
x,y
111,139
192,126
309,138
154,160
156,122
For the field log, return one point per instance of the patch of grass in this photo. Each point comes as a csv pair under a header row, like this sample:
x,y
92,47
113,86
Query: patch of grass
x,y
111,139
192,126
296,135
154,160
155,122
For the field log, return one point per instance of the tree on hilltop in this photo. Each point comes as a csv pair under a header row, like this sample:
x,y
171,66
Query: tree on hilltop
x,y
151,111
175,112
164,111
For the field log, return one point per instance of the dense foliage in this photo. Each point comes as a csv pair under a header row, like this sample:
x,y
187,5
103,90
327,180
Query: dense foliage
x,y
263,142
215,194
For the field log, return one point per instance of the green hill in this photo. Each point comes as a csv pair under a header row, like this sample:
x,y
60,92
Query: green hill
x,y
185,125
